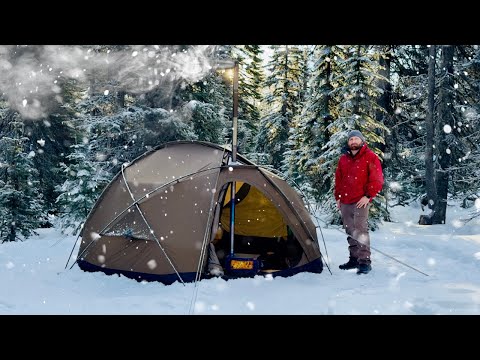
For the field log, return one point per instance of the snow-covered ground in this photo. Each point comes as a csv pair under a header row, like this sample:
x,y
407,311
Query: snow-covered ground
x,y
34,280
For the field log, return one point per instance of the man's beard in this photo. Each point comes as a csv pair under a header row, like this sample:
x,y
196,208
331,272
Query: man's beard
x,y
355,146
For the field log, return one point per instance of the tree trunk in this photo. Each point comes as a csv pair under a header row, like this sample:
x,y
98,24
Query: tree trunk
x,y
385,100
327,118
13,233
429,124
285,86
445,111
356,102
121,99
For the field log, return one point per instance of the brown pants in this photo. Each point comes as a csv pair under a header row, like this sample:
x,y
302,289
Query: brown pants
x,y
355,223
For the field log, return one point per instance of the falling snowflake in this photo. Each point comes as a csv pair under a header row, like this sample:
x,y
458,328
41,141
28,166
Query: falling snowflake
x,y
395,186
200,307
152,264
408,304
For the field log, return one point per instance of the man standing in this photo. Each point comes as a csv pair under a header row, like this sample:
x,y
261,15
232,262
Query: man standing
x,y
358,179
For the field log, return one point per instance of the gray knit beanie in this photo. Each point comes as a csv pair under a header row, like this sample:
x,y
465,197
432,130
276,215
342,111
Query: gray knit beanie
x,y
357,134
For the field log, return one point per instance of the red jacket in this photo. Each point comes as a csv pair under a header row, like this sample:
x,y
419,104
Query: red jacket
x,y
357,176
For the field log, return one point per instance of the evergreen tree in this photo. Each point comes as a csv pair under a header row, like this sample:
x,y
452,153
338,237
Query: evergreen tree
x,y
208,105
452,144
85,180
319,110
404,148
359,89
406,145
467,108
50,140
285,83
298,133
21,203
251,80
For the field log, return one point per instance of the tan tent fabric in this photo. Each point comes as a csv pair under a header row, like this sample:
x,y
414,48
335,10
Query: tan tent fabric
x,y
177,189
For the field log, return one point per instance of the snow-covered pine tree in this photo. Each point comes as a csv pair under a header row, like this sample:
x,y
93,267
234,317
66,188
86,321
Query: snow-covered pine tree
x,y
404,144
451,137
319,110
208,105
293,162
21,204
466,170
51,138
251,80
91,161
359,89
284,82
85,180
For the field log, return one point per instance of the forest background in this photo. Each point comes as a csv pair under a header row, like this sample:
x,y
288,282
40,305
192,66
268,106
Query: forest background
x,y
70,116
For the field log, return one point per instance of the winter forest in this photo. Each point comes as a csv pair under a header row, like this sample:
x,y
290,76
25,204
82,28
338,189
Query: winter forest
x,y
70,116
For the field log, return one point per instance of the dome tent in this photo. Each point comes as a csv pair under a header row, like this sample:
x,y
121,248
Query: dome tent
x,y
156,219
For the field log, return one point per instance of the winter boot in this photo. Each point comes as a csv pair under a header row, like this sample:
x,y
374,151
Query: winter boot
x,y
351,264
364,268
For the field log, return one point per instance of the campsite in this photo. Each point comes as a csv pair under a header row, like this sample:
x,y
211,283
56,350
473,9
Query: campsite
x,y
239,179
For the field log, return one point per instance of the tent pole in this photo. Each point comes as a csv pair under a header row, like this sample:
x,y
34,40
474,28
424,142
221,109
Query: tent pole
x,y
232,217
234,155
